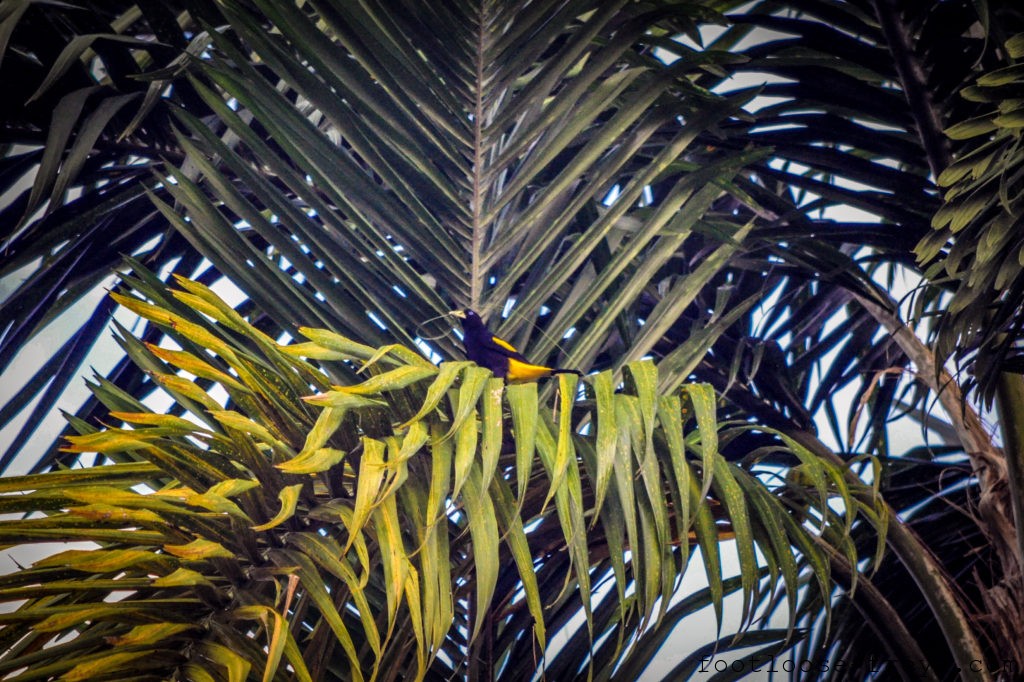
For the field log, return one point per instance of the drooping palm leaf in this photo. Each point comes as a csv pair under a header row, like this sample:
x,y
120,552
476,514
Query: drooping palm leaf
x,y
357,529
84,123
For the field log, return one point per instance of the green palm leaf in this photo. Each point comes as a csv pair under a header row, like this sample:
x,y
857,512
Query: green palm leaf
x,y
222,549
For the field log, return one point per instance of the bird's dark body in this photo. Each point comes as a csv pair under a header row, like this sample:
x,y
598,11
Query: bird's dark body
x,y
498,355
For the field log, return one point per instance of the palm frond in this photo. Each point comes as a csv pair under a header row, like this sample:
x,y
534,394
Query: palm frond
x,y
407,520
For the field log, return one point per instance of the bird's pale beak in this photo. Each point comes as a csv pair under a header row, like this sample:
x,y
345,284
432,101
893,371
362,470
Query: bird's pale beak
x,y
457,313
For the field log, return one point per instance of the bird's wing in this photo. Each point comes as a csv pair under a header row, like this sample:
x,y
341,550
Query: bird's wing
x,y
504,344
502,347
519,368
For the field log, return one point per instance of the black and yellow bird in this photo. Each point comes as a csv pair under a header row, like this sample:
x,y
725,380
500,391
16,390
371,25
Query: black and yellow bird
x,y
498,355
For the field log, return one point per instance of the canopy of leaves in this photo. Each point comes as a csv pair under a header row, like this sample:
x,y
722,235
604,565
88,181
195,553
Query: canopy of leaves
x,y
595,177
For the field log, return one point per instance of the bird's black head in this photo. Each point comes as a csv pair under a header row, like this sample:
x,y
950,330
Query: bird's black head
x,y
469,318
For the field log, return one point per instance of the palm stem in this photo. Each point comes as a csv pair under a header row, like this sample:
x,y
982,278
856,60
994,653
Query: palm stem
x,y
926,572
884,620
1010,405
913,80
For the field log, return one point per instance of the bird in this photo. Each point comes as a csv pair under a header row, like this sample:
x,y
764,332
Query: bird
x,y
498,355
